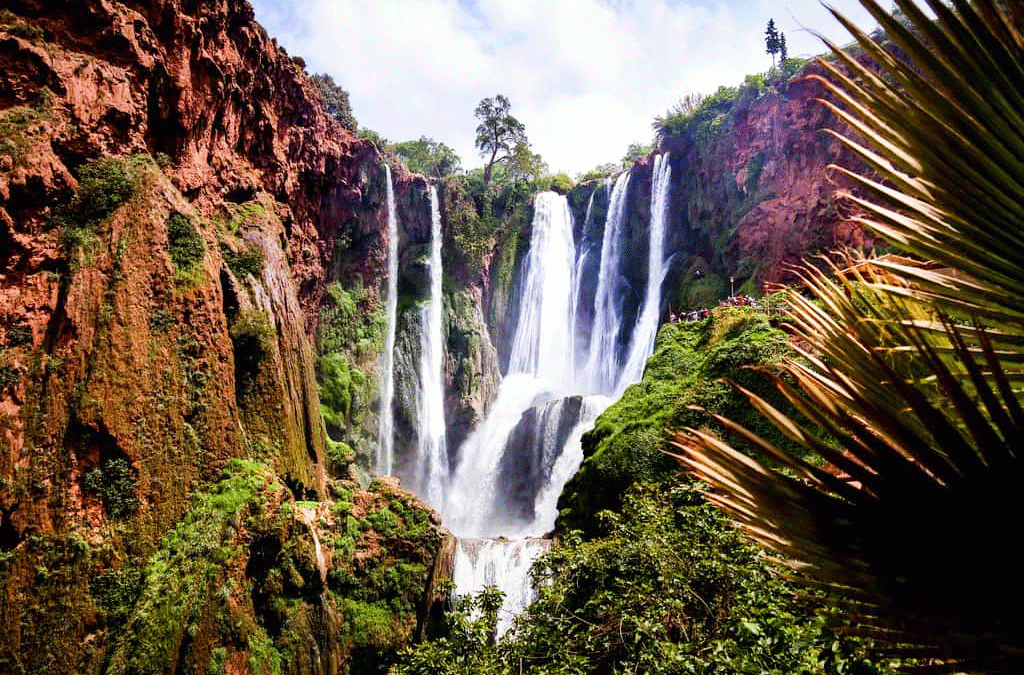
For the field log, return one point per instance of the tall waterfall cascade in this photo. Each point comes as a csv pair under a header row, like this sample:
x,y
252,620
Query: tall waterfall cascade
x,y
646,328
385,447
432,454
573,353
511,469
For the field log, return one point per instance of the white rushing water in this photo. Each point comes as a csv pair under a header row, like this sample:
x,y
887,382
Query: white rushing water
x,y
567,365
543,336
501,563
432,453
646,328
602,367
385,447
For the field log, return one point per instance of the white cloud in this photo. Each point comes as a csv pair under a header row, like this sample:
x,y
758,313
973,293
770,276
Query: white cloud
x,y
586,77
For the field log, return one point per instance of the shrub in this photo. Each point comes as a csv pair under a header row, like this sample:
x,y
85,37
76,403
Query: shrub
x,y
103,185
245,262
184,241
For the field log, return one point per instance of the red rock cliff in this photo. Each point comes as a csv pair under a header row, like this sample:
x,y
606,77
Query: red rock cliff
x,y
144,348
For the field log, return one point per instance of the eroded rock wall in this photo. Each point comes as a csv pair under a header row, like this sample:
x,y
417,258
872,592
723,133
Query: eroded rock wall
x,y
174,207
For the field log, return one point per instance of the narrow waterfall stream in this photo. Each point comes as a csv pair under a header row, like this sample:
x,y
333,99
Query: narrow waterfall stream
x,y
432,454
385,451
646,329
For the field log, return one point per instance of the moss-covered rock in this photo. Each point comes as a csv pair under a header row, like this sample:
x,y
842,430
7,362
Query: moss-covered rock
x,y
628,441
252,575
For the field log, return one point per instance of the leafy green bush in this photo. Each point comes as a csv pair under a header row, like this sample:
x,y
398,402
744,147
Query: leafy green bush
x,y
701,118
668,587
245,262
104,185
184,241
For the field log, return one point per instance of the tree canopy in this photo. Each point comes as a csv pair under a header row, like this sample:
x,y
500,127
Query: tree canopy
x,y
774,41
336,101
498,133
428,157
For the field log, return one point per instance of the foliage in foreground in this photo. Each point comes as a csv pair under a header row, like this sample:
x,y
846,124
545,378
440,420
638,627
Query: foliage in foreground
x,y
920,385
668,587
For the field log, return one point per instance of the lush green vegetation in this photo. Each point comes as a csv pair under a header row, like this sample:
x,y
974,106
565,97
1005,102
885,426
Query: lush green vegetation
x,y
499,135
185,244
178,578
335,100
665,586
428,157
248,260
104,184
351,336
910,372
628,442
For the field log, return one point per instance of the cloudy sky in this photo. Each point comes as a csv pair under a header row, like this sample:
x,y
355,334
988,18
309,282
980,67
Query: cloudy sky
x,y
586,77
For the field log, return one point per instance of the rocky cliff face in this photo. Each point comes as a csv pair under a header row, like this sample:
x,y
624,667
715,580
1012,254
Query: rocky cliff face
x,y
174,207
751,193
754,194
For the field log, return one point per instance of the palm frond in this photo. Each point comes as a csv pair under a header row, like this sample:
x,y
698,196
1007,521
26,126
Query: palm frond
x,y
907,380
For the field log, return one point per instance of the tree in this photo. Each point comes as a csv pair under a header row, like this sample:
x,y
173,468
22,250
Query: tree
x,y
910,387
635,152
783,54
524,165
428,157
498,132
772,40
336,102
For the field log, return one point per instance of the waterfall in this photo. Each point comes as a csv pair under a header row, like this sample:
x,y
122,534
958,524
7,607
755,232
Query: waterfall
x,y
542,335
646,328
505,564
566,365
432,453
603,357
385,448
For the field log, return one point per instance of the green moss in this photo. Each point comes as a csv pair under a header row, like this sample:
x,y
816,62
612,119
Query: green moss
x,y
180,576
114,482
353,323
369,624
628,441
264,659
116,591
185,243
247,261
253,338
